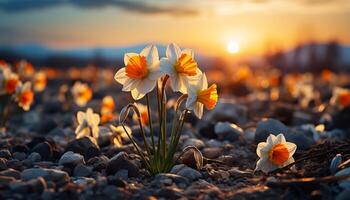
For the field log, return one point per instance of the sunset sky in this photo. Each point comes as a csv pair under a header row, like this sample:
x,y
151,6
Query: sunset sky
x,y
205,25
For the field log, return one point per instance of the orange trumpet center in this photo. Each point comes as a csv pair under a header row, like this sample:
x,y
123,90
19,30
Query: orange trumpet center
x,y
136,67
208,97
85,94
10,85
144,117
186,65
344,99
279,154
26,97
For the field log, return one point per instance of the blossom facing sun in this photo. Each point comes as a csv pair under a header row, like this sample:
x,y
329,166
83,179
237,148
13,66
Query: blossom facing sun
x,y
81,93
199,95
88,124
24,96
141,72
340,97
39,81
9,81
275,153
180,66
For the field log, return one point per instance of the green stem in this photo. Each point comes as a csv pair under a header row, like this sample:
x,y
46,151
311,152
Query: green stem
x,y
150,122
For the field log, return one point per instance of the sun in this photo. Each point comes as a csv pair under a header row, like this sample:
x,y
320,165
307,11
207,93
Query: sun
x,y
233,47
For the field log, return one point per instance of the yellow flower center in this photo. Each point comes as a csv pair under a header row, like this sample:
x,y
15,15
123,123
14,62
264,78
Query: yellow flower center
x,y
186,65
26,97
208,97
279,154
344,99
10,85
136,67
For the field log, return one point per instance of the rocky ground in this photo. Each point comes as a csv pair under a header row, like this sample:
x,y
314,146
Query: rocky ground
x,y
41,159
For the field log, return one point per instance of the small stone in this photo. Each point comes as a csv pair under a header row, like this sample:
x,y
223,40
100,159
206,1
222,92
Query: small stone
x,y
82,170
44,149
186,172
267,127
227,131
83,181
85,147
19,155
116,181
34,157
121,161
57,176
11,173
207,130
5,153
212,152
193,142
123,173
214,143
168,179
71,159
6,180
98,163
35,185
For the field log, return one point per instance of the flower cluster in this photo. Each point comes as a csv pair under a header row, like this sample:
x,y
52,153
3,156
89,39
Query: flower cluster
x,y
16,83
143,72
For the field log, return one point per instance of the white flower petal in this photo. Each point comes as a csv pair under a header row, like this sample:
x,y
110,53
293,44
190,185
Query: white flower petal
x,y
260,149
151,54
136,95
271,139
188,52
127,57
166,67
155,75
81,117
291,148
120,76
280,139
173,52
198,110
265,165
130,84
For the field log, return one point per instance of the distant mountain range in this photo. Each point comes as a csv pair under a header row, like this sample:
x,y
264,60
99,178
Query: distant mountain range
x,y
300,56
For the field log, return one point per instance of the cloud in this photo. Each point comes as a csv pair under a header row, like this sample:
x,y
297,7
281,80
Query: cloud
x,y
136,6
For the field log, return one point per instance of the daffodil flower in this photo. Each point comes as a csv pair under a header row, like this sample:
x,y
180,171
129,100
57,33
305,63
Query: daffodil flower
x,y
39,81
340,97
180,66
140,73
107,108
8,81
275,153
199,95
25,69
81,93
88,124
24,96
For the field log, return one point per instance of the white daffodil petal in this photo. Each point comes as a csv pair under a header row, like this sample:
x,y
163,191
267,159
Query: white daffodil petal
x,y
203,83
96,119
271,139
261,146
136,95
188,52
127,57
198,110
80,117
146,86
166,66
130,84
280,139
155,75
291,148
120,76
289,161
173,52
266,166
